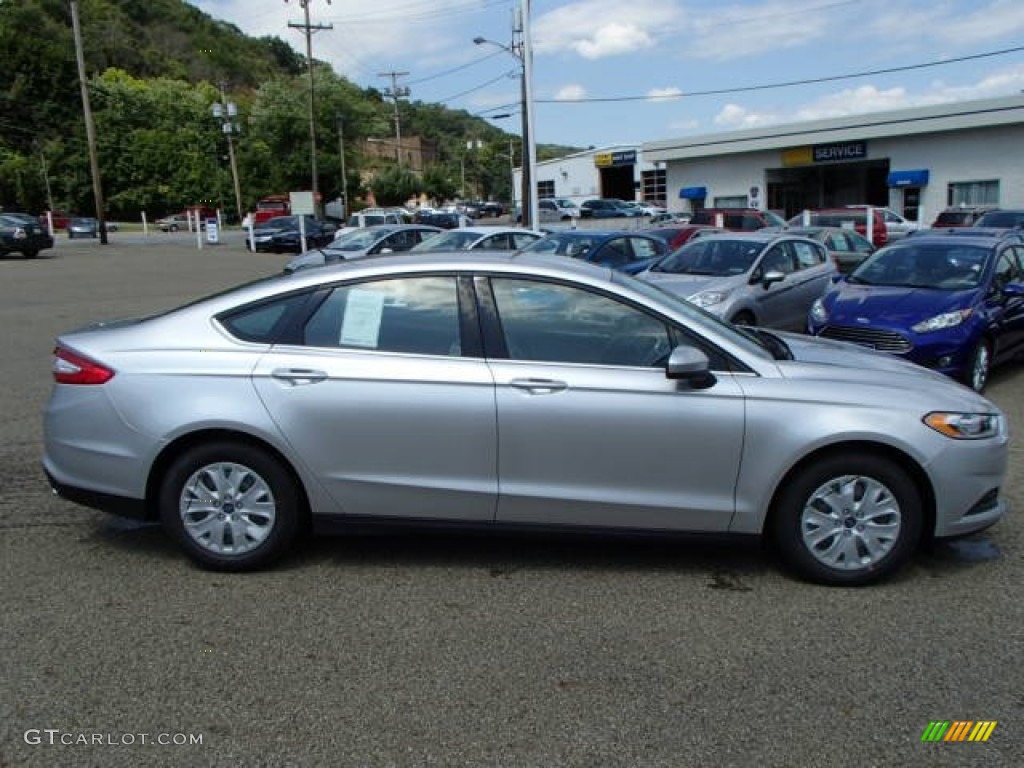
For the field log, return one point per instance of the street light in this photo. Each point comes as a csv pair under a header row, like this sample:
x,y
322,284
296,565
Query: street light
x,y
523,51
226,112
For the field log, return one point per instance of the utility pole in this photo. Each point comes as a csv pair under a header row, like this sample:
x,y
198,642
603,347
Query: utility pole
x,y
90,128
395,92
529,133
225,111
309,29
341,157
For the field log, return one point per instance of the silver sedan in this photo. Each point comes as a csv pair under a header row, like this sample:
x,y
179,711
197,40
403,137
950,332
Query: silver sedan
x,y
511,391
756,278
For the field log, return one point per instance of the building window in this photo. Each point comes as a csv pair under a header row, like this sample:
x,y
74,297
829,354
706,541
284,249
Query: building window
x,y
545,189
973,193
739,201
654,187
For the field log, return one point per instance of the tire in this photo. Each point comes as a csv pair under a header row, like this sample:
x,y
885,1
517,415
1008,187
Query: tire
x,y
30,254
744,317
173,228
230,477
979,367
848,520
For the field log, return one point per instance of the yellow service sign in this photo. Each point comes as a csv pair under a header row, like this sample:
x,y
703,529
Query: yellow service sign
x,y
797,156
603,160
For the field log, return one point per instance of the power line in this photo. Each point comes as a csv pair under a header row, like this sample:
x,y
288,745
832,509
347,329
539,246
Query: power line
x,y
468,91
785,84
459,68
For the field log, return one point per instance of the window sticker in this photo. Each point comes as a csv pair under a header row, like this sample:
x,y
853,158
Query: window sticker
x,y
361,325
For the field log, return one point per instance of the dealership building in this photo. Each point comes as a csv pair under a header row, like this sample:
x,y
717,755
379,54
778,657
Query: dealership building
x,y
915,161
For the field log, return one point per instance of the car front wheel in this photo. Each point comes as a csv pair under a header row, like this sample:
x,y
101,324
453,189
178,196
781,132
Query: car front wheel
x,y
231,506
980,366
848,520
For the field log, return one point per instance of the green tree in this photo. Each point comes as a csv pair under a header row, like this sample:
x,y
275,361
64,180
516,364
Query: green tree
x,y
438,183
395,185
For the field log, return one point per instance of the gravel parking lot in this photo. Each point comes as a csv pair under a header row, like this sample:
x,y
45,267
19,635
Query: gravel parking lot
x,y
419,651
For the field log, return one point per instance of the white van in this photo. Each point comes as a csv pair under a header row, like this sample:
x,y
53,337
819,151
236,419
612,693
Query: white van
x,y
371,216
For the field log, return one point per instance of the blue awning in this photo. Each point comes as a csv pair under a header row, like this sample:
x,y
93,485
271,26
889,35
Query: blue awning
x,y
693,193
908,178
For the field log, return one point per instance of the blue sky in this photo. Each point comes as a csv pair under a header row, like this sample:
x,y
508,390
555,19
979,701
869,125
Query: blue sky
x,y
662,56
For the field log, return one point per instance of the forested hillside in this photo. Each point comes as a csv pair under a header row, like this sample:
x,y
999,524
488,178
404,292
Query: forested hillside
x,y
155,68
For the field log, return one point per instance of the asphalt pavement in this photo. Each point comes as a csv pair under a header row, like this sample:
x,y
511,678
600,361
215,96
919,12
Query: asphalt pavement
x,y
458,651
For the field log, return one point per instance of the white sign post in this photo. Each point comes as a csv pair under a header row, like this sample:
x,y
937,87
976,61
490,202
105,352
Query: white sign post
x,y
302,205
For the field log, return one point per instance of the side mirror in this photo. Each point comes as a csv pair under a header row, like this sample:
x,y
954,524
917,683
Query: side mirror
x,y
772,276
690,365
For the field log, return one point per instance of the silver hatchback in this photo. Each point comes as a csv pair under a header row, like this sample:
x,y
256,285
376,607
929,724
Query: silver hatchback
x,y
503,391
756,278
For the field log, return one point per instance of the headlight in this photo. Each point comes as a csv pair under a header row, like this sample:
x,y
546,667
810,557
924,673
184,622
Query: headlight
x,y
965,426
818,312
939,322
708,298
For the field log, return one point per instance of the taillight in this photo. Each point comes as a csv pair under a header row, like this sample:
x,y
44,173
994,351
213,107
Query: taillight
x,y
72,368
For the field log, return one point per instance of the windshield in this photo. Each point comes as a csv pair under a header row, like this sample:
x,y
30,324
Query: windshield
x,y
746,338
563,245
279,222
939,266
359,240
1001,219
449,241
720,257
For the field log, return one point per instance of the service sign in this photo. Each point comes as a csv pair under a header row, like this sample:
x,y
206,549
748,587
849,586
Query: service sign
x,y
845,150
620,157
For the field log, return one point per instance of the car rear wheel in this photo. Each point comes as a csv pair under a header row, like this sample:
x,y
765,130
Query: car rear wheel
x,y
980,366
231,506
30,254
848,520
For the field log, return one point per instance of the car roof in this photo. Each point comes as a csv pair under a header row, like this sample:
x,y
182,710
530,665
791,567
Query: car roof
x,y
482,231
985,238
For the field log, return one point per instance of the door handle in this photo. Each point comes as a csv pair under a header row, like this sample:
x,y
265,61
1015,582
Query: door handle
x,y
297,376
539,386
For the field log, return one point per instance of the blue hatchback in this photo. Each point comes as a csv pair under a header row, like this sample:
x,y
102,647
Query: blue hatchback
x,y
954,304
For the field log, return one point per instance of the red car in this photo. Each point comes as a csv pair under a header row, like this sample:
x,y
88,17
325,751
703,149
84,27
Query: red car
x,y
61,219
677,235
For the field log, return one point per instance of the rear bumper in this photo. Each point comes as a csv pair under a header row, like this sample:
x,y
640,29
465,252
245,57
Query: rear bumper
x,y
106,502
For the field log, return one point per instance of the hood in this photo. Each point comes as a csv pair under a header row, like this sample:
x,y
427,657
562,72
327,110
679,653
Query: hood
x,y
838,364
306,260
891,306
690,285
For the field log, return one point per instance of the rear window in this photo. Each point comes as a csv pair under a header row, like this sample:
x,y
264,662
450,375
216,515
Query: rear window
x,y
263,322
954,219
1001,219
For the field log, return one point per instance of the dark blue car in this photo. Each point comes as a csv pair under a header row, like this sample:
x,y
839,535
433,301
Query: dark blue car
x,y
953,304
630,252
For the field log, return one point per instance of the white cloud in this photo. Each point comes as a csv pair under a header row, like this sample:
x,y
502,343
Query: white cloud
x,y
868,98
737,31
571,92
664,94
733,116
952,25
613,40
595,29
